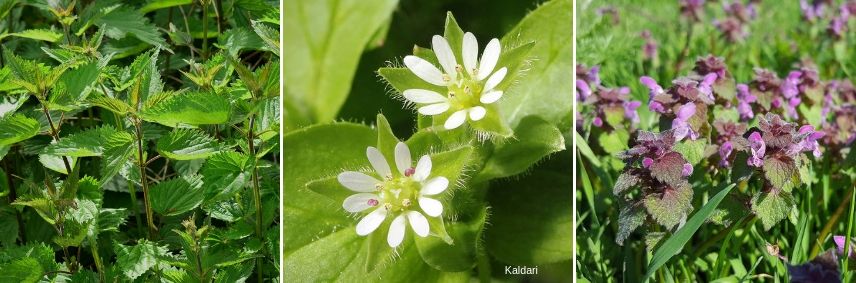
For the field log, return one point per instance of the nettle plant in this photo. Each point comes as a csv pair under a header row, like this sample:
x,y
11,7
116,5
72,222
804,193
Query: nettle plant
x,y
419,208
126,157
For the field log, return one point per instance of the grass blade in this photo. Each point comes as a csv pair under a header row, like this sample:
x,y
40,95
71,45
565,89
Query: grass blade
x,y
676,242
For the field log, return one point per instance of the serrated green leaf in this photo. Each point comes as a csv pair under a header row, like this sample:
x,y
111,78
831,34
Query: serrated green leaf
x,y
136,260
225,173
176,196
21,270
672,206
630,218
89,142
37,34
56,163
187,144
269,35
194,108
124,21
692,150
16,128
781,172
772,207
118,149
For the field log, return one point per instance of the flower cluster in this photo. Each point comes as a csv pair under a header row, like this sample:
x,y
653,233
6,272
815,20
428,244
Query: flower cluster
x,y
612,105
649,48
734,26
775,147
661,174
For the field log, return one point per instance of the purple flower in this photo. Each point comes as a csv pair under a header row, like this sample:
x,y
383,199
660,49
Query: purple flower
x,y
680,123
692,9
583,90
654,90
810,141
688,170
630,110
744,100
757,148
647,161
840,242
724,152
593,76
705,85
649,49
812,11
597,122
790,85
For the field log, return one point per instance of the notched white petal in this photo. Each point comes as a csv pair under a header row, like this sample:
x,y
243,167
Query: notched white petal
x,y
477,113
456,120
434,109
490,96
424,70
418,222
444,55
358,202
435,186
423,168
432,207
470,52
370,223
495,79
402,157
396,231
357,181
489,58
423,96
378,162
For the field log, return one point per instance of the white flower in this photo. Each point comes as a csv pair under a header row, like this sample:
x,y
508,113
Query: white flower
x,y
467,89
394,195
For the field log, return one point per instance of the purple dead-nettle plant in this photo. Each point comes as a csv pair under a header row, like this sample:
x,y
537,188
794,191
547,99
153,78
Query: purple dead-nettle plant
x,y
685,103
692,9
841,130
653,185
765,90
813,10
838,24
735,25
790,93
745,98
726,132
591,76
613,105
649,48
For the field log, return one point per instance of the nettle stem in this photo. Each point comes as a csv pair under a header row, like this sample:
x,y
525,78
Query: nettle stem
x,y
132,189
55,135
144,182
99,265
257,196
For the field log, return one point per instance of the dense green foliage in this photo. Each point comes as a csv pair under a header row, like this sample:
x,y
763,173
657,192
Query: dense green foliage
x,y
755,180
505,199
139,141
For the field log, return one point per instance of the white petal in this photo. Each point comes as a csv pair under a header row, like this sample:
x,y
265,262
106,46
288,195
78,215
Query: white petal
x,y
423,168
358,202
424,70
402,157
470,52
491,96
477,113
495,79
396,231
370,223
378,162
444,55
456,120
434,109
489,58
418,223
432,207
358,182
435,186
423,96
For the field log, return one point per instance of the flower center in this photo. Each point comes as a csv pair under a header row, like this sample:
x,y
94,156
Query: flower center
x,y
397,194
465,92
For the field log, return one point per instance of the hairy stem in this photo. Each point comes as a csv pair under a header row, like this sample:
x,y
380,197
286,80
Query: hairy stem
x,y
144,182
257,196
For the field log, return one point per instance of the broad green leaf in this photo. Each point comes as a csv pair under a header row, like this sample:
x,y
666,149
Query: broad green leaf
x,y
136,260
614,142
226,173
10,103
153,5
238,39
674,244
118,149
37,34
325,40
671,207
124,21
533,140
37,257
89,142
781,172
692,151
772,207
74,86
269,35
16,128
546,89
112,104
56,163
194,108
461,254
187,144
513,237
21,270
176,196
